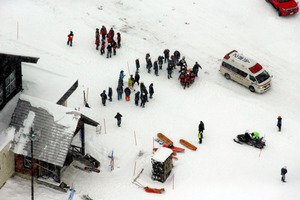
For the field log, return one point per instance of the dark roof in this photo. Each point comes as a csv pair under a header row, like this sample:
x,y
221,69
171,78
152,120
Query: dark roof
x,y
4,58
54,130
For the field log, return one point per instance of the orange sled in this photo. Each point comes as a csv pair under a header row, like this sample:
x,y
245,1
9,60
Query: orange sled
x,y
164,138
188,145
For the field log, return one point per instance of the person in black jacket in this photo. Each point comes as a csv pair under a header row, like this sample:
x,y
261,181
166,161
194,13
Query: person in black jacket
x,y
137,64
149,65
137,78
120,92
103,97
201,127
108,51
196,68
143,99
151,90
137,98
283,173
110,93
127,93
160,61
155,67
119,118
167,55
279,123
200,131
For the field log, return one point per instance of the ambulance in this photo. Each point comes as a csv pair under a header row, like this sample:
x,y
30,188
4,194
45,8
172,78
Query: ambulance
x,y
245,71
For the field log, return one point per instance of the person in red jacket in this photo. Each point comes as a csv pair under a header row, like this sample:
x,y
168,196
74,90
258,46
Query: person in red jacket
x,y
103,32
70,38
111,33
109,40
97,38
119,39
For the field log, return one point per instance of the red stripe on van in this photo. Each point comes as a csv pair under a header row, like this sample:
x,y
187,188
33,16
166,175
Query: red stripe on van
x,y
256,68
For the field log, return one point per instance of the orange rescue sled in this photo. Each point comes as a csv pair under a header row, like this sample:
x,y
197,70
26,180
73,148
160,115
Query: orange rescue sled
x,y
188,145
164,138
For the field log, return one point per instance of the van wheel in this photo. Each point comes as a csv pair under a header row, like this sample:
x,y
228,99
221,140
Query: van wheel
x,y
279,13
227,76
251,88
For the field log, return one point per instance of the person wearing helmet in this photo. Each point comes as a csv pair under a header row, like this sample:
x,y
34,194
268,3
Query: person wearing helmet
x,y
255,135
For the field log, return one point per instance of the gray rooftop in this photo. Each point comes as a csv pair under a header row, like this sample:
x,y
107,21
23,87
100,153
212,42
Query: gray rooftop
x,y
53,140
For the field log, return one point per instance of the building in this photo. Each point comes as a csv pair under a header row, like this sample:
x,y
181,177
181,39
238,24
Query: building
x,y
11,75
7,161
162,164
55,127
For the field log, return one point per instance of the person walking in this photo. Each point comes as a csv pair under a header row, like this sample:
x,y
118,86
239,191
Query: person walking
x,y
103,97
279,123
196,68
70,38
119,118
200,131
283,173
110,93
151,90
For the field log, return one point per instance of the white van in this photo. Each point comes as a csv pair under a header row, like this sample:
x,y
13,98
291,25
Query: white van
x,y
245,71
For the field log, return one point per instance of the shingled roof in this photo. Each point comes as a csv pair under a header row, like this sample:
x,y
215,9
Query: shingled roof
x,y
53,124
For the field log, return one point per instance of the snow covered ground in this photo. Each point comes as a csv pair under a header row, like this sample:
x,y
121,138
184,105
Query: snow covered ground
x,y
202,31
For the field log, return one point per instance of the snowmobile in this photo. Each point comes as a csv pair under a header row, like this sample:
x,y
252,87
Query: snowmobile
x,y
258,143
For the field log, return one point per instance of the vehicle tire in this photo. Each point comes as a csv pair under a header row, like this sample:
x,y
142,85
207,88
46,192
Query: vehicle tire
x,y
279,13
227,76
251,88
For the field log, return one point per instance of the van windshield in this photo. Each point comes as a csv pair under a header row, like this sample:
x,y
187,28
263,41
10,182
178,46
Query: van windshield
x,y
262,76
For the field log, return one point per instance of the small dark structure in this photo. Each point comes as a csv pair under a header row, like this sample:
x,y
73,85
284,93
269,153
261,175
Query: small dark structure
x,y
11,75
55,127
162,164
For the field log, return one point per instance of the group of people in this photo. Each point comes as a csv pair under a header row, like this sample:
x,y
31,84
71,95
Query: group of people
x,y
104,40
108,37
187,76
140,96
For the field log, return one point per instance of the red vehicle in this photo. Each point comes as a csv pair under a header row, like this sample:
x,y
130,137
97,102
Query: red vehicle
x,y
285,7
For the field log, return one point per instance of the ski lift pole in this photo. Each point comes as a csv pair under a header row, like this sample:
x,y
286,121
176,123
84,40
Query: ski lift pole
x,y
128,69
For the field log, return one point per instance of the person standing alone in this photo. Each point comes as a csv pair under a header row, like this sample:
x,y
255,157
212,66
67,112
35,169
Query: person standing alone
x,y
200,131
118,117
283,173
279,123
70,38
